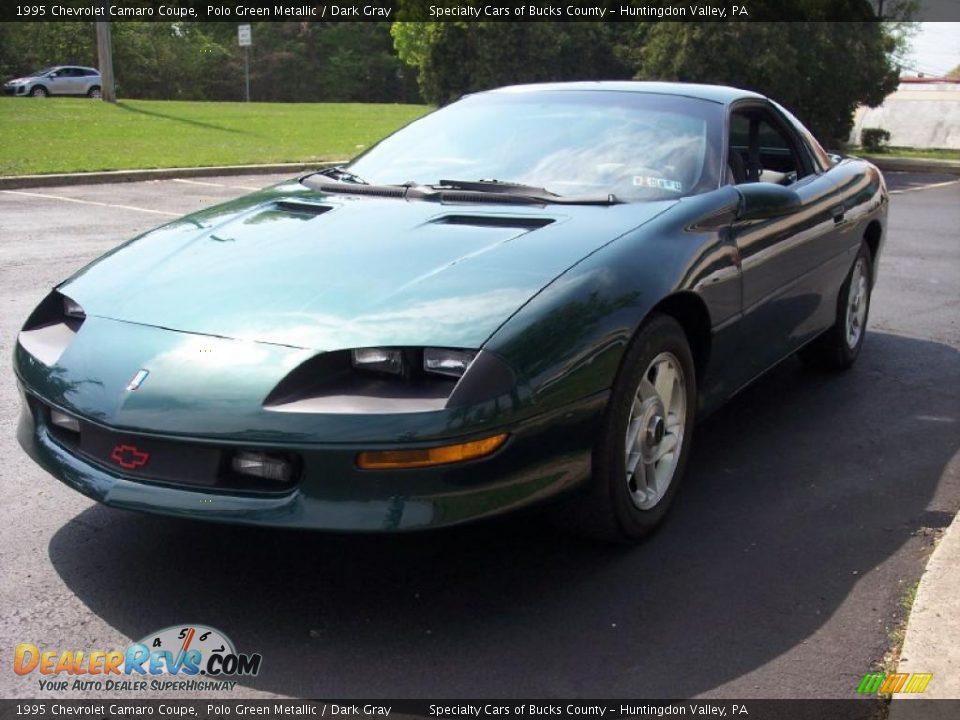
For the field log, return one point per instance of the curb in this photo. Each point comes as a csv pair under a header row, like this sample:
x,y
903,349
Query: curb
x,y
932,642
895,164
11,182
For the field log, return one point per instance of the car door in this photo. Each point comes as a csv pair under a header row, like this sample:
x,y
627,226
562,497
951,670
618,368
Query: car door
x,y
76,80
784,260
59,82
88,79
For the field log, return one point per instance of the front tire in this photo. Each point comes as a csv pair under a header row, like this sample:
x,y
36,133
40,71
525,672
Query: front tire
x,y
642,450
39,92
839,347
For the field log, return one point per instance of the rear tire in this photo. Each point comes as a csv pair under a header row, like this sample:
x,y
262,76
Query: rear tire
x,y
94,92
39,92
839,347
640,456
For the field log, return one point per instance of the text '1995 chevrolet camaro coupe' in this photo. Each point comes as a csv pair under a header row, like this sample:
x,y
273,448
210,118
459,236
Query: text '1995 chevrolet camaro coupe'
x,y
526,296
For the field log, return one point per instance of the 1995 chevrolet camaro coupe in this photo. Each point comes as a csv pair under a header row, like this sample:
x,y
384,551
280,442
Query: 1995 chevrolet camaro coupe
x,y
526,296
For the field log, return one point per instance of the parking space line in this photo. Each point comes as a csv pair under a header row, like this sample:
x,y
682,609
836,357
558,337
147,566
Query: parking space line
x,y
213,184
925,187
44,196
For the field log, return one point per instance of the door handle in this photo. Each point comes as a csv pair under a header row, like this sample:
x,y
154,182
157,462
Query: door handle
x,y
838,214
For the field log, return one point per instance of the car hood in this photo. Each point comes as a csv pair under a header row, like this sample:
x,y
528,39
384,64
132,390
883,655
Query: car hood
x,y
295,267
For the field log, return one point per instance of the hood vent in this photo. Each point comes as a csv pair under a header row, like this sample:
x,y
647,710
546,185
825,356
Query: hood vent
x,y
302,208
494,221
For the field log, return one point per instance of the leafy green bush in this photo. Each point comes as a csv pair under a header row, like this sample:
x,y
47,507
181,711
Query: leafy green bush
x,y
873,139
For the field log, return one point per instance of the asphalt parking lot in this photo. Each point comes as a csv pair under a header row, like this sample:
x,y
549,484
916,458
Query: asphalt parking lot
x,y
809,509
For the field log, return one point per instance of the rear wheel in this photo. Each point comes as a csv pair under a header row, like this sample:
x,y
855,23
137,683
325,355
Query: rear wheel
x,y
94,92
839,347
643,447
39,92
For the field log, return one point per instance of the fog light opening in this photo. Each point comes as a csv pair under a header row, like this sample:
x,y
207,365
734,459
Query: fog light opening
x,y
261,465
426,457
62,420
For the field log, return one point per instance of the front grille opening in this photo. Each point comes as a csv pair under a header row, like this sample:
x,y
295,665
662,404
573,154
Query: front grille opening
x,y
171,462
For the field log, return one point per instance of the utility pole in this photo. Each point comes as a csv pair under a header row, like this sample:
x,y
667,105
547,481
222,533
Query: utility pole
x,y
105,59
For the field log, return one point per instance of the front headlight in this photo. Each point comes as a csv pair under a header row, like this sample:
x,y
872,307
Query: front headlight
x,y
450,362
51,327
386,360
72,309
447,362
393,380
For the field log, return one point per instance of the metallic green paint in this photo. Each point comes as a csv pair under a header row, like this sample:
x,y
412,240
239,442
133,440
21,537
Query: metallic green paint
x,y
335,495
366,272
222,305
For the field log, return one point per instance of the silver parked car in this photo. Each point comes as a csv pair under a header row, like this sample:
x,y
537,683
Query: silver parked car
x,y
57,80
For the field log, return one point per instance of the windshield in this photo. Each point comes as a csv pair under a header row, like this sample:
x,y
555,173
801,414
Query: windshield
x,y
38,73
637,146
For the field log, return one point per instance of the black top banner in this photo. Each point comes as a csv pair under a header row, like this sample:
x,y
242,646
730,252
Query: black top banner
x,y
473,10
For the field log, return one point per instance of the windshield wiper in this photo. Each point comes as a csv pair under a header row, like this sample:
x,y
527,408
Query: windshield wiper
x,y
498,186
529,192
341,174
455,191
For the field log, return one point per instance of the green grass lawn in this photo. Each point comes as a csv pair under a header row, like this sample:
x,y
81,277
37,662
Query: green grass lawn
x,y
77,135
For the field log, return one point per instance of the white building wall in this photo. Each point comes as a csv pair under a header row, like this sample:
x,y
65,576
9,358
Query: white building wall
x,y
916,115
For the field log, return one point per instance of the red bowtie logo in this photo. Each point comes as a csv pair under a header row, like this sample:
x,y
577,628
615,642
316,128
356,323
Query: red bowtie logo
x,y
129,457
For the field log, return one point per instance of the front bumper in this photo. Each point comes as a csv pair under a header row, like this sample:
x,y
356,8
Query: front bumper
x,y
14,89
546,455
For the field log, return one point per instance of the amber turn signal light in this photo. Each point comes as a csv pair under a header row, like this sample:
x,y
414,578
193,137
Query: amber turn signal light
x,y
425,457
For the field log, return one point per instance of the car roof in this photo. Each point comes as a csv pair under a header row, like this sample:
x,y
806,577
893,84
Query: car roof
x,y
77,67
714,93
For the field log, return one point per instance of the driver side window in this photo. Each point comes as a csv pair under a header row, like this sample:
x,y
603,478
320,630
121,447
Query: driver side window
x,y
760,151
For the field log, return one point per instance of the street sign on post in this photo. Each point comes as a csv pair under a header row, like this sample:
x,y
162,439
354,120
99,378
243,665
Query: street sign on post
x,y
245,40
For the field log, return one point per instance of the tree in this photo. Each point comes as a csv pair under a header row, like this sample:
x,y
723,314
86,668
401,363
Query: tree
x,y
955,73
29,46
289,61
821,71
453,58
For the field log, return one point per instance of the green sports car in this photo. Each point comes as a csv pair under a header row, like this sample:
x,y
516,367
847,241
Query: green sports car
x,y
528,296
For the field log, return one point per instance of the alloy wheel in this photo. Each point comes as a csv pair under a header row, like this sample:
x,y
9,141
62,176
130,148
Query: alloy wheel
x,y
857,298
654,436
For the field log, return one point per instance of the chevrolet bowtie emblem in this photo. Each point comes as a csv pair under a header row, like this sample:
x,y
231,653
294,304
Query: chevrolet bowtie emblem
x,y
129,457
137,380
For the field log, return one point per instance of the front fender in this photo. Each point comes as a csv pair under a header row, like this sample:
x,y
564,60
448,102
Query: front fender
x,y
568,341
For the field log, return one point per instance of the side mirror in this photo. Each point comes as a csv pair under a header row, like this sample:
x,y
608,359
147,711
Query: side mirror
x,y
761,201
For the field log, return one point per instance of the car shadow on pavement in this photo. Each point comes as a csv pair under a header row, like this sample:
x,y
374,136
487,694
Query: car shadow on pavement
x,y
796,491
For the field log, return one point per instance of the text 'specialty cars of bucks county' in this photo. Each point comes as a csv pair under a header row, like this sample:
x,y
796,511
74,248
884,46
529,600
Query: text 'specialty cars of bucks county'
x,y
525,297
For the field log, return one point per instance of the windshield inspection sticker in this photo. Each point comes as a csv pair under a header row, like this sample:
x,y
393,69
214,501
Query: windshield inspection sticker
x,y
657,183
